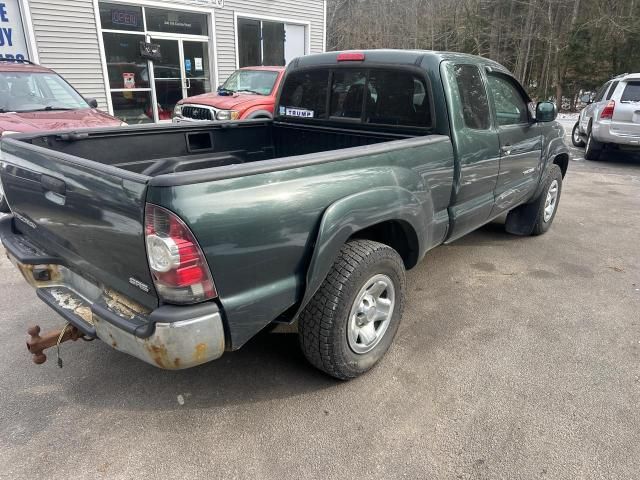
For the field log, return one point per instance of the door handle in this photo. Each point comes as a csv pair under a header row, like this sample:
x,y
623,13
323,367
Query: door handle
x,y
506,149
187,83
55,190
53,184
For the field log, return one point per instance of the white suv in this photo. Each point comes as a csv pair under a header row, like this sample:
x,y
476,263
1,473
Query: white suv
x,y
611,118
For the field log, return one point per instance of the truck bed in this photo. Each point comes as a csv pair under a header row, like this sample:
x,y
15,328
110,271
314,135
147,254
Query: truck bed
x,y
154,151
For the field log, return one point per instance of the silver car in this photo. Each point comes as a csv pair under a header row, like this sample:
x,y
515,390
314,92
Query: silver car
x,y
612,118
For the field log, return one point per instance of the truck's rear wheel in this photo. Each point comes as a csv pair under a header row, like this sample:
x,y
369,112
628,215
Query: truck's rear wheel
x,y
349,324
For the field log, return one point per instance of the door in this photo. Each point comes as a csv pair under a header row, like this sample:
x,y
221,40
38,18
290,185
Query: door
x,y
196,65
626,115
520,142
181,72
475,139
294,43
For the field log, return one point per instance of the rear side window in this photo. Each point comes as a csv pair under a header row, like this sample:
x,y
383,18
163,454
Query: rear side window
x,y
631,92
304,94
600,93
614,85
374,96
473,96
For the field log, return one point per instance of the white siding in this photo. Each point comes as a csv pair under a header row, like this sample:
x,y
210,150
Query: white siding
x,y
311,11
67,38
67,41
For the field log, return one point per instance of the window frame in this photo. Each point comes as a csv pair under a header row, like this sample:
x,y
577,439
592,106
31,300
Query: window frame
x,y
519,88
601,92
237,14
612,89
334,121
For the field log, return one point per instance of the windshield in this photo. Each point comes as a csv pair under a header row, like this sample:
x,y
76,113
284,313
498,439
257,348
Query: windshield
x,y
260,82
37,91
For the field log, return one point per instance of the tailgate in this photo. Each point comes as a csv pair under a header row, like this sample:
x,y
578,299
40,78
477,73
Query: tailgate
x,y
88,214
626,115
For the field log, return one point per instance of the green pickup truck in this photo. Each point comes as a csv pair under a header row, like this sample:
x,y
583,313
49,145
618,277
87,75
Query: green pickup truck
x,y
175,243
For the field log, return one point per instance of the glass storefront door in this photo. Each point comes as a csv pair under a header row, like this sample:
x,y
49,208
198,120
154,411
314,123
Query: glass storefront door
x,y
183,71
143,90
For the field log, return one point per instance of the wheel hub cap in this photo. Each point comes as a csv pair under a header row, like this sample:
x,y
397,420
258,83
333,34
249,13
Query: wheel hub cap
x,y
371,314
551,201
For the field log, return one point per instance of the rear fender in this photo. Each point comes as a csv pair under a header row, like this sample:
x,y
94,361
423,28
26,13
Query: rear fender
x,y
356,212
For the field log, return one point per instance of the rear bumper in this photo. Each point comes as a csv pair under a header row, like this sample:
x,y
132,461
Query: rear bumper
x,y
604,132
169,337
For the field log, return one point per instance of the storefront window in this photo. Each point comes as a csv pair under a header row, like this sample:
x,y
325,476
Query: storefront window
x,y
175,21
114,16
146,89
132,107
273,38
249,38
125,66
269,43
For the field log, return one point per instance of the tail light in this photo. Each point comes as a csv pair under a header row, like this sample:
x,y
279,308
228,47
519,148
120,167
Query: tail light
x,y
178,267
607,113
351,57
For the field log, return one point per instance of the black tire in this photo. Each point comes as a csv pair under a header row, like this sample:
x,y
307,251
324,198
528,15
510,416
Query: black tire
x,y
593,149
530,219
324,323
576,138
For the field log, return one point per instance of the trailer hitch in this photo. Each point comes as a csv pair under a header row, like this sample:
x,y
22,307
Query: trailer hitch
x,y
37,344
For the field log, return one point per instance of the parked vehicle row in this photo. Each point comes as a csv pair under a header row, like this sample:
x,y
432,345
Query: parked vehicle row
x,y
176,243
611,119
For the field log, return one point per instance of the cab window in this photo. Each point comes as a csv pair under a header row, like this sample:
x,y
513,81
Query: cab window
x,y
473,97
348,93
383,97
400,99
509,104
305,94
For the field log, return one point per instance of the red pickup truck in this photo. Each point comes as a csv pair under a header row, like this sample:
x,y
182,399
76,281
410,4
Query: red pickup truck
x,y
247,94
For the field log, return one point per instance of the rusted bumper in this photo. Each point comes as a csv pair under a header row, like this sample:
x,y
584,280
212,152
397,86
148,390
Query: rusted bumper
x,y
189,336
169,337
172,346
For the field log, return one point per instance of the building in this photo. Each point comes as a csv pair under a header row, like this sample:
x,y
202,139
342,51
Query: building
x,y
137,58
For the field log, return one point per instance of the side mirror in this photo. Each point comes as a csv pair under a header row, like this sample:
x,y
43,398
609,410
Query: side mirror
x,y
93,103
546,112
586,98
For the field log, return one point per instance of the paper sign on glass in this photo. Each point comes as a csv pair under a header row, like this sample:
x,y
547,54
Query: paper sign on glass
x,y
198,62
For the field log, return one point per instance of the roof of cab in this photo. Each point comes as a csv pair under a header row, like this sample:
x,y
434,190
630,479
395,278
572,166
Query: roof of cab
x,y
268,68
395,57
20,66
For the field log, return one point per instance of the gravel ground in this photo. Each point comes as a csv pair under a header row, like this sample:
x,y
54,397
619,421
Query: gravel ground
x,y
517,359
